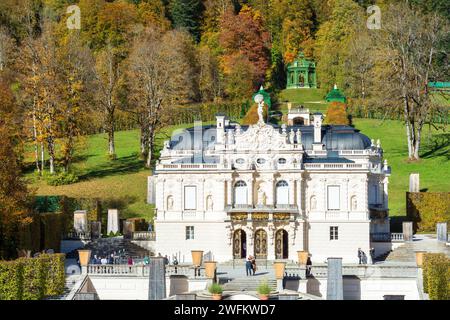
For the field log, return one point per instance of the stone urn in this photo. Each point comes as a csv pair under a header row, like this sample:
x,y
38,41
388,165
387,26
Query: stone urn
x,y
197,257
210,269
85,257
419,258
279,269
302,257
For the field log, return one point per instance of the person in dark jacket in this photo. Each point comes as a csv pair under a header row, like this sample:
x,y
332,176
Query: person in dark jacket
x,y
360,256
308,266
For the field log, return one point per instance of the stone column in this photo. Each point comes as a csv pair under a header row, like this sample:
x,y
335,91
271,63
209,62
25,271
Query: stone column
x,y
335,287
414,185
229,192
113,221
407,231
157,279
151,190
299,196
291,191
80,221
250,192
441,231
385,193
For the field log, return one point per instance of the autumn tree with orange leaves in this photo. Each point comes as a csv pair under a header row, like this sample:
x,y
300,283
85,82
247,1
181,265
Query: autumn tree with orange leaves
x,y
246,51
13,190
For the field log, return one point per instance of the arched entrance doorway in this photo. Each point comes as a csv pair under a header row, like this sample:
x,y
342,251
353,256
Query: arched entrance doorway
x,y
281,244
298,121
239,244
260,244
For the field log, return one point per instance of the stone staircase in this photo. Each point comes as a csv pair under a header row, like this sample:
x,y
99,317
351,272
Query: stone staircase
x,y
250,283
71,280
106,246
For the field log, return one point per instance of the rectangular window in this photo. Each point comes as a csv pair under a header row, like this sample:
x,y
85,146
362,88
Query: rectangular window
x,y
190,197
333,233
190,233
333,198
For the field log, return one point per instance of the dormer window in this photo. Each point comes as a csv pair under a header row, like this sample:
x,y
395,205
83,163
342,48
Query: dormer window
x,y
240,161
282,161
261,161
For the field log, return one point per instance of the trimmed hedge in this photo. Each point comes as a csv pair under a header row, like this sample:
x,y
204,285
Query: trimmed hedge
x,y
426,209
11,280
436,276
32,278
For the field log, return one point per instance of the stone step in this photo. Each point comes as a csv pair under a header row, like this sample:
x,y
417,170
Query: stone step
x,y
249,284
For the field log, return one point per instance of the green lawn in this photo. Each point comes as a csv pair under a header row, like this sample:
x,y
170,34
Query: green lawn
x,y
314,99
122,181
434,167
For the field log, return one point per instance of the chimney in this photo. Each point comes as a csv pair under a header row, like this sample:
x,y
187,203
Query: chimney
x,y
220,123
317,122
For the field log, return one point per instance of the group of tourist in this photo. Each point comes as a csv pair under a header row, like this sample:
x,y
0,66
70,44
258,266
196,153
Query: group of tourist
x,y
362,257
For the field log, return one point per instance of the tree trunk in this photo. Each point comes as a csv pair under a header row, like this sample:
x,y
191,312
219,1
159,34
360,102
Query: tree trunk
x,y
151,134
42,157
36,146
111,146
51,154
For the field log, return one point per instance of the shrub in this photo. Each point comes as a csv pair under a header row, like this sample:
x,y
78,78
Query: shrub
x,y
337,114
426,209
263,288
32,278
215,288
60,178
56,276
34,275
436,276
252,115
11,278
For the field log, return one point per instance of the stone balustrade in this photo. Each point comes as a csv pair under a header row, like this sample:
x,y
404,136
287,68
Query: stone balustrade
x,y
144,235
74,235
369,271
142,270
397,237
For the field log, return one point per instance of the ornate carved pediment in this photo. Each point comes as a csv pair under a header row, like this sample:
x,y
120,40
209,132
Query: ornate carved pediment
x,y
261,136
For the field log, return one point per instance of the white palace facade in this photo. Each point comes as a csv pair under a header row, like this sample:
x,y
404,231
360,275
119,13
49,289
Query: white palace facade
x,y
268,191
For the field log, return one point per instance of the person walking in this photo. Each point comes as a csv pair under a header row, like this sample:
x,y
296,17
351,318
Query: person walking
x,y
360,256
308,266
253,265
248,266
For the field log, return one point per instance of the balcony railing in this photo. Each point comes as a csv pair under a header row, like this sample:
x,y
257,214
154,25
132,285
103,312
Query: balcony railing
x,y
336,166
386,237
73,235
397,237
144,236
142,270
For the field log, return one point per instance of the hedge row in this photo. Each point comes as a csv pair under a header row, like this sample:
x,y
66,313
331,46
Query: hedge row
x,y
32,278
426,209
436,276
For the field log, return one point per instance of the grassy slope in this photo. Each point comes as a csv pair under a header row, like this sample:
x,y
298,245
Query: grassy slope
x,y
434,167
123,181
314,99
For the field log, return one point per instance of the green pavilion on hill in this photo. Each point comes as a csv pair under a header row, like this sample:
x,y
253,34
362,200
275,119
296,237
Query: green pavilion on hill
x,y
301,73
336,95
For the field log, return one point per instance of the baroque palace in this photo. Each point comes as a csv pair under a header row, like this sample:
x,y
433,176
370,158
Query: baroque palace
x,y
269,191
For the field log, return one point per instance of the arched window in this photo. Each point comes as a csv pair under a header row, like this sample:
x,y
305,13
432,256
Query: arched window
x,y
282,192
282,161
240,192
